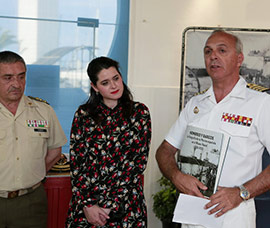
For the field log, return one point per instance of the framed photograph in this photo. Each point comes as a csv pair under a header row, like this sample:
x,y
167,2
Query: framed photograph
x,y
255,68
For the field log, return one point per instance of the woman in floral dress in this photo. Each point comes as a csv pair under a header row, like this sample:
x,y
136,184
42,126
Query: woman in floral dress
x,y
109,145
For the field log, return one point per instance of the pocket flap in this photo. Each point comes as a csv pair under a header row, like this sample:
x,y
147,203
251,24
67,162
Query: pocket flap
x,y
39,132
235,129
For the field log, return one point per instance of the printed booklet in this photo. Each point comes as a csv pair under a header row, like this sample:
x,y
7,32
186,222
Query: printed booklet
x,y
202,156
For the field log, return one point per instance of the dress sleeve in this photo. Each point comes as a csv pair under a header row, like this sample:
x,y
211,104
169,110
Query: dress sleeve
x,y
136,159
80,178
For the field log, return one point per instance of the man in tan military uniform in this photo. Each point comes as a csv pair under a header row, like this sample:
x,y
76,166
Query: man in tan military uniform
x,y
30,144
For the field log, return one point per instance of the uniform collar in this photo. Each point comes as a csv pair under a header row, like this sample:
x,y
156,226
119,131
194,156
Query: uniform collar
x,y
24,103
237,91
28,102
208,94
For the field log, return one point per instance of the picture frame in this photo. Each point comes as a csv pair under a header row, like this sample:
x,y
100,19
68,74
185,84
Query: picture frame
x,y
194,77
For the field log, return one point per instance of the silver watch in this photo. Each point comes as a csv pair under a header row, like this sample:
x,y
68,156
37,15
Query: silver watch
x,y
244,193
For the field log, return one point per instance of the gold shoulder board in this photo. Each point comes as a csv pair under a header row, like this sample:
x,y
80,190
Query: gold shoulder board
x,y
38,99
257,87
202,92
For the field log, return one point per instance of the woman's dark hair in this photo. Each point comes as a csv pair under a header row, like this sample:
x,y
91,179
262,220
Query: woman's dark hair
x,y
93,69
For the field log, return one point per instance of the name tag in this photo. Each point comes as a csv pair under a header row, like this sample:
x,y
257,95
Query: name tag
x,y
40,130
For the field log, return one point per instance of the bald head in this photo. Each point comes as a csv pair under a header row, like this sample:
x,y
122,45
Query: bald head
x,y
237,41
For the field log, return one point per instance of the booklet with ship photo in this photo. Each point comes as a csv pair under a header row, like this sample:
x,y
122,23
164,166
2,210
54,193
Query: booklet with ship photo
x,y
202,155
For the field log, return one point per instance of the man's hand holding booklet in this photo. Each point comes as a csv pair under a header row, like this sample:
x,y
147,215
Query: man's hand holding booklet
x,y
202,155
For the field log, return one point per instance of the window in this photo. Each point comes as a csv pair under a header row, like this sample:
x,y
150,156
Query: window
x,y
58,39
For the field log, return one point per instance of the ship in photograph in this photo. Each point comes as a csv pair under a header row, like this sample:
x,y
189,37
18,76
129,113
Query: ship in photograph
x,y
202,155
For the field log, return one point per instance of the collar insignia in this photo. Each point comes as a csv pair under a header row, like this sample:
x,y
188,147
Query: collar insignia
x,y
196,110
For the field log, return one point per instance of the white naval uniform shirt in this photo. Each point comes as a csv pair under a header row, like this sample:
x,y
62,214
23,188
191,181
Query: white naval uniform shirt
x,y
244,156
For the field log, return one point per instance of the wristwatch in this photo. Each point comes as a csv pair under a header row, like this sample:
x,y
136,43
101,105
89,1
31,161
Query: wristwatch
x,y
244,193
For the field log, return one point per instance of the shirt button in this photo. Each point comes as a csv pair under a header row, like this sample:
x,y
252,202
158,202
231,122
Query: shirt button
x,y
16,138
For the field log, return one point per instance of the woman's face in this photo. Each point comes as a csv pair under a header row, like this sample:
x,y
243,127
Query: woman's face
x,y
110,86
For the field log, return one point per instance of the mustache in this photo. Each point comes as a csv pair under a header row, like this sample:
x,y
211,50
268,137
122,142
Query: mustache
x,y
215,62
13,89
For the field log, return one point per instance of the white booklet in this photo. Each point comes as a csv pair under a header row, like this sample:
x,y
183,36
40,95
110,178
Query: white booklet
x,y
202,156
190,210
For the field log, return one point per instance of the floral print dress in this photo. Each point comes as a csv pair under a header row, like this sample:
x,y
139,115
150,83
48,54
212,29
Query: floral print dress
x,y
107,161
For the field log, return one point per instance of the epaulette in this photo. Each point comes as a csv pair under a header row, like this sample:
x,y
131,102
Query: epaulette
x,y
202,92
257,87
38,99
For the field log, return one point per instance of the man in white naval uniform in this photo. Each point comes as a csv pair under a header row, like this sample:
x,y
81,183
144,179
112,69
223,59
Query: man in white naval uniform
x,y
232,108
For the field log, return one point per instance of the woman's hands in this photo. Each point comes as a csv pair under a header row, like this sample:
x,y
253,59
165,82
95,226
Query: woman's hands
x,y
96,215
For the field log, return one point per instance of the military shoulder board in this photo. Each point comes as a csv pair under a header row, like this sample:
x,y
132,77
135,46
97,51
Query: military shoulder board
x,y
257,87
38,99
202,92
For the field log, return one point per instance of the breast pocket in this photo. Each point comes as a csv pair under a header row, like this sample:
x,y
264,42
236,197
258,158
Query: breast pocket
x,y
235,129
38,141
3,148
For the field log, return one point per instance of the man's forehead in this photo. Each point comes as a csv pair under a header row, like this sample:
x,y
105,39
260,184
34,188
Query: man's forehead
x,y
222,39
17,68
210,45
12,65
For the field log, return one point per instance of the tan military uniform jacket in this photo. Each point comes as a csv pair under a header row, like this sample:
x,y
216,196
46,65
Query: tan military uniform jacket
x,y
24,141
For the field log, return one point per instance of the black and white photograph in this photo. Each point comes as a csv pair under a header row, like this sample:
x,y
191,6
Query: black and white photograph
x,y
255,68
202,155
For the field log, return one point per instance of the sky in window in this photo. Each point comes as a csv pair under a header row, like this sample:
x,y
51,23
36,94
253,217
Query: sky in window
x,y
103,10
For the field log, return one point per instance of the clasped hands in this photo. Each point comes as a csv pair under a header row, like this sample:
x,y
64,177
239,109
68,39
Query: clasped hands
x,y
97,215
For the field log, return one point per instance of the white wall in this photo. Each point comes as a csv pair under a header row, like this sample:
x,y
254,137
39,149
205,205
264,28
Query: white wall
x,y
155,39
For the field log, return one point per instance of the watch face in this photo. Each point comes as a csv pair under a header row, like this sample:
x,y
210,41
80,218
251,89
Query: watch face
x,y
244,194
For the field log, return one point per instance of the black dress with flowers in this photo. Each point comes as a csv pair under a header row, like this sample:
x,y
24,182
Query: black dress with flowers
x,y
106,162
